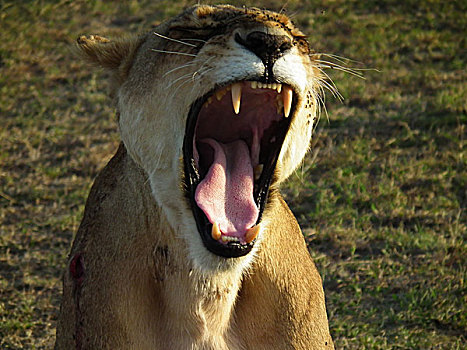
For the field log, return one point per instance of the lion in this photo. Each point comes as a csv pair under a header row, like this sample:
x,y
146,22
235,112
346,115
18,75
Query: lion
x,y
186,241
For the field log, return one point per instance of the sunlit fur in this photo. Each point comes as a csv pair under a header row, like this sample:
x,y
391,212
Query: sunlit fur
x,y
151,283
145,117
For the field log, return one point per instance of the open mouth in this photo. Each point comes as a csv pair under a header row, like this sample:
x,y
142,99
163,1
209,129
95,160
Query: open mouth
x,y
232,141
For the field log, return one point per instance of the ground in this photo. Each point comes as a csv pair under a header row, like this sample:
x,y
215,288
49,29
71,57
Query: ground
x,y
381,196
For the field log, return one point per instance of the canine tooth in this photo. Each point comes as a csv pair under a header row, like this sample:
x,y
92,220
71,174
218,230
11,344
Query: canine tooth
x,y
215,232
236,97
279,104
254,84
258,170
287,98
252,233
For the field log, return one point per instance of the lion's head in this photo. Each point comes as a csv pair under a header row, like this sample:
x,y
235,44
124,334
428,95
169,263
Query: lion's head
x,y
217,106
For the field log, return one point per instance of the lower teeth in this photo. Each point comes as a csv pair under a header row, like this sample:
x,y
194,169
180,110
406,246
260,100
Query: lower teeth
x,y
257,171
229,239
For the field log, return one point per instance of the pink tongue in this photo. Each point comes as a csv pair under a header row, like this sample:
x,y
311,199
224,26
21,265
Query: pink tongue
x,y
226,193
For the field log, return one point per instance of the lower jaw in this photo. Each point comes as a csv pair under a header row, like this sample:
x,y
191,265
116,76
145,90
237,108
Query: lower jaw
x,y
209,263
225,250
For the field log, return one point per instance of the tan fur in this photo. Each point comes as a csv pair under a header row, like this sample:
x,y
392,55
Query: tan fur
x,y
138,277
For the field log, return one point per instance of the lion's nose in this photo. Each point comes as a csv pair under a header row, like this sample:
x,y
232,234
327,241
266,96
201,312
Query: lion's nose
x,y
267,47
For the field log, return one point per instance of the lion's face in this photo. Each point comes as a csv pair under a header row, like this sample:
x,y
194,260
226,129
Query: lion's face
x,y
218,107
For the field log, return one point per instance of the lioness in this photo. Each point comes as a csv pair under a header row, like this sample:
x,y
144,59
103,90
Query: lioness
x,y
186,242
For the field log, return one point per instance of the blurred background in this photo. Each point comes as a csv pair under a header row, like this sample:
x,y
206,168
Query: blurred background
x,y
381,196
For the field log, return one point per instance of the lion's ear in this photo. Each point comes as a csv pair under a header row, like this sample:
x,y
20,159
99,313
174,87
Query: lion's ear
x,y
115,55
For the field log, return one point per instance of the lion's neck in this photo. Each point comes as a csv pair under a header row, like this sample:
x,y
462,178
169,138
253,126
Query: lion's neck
x,y
198,308
194,308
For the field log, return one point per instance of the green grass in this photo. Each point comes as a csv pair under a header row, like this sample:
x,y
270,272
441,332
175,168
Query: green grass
x,y
381,197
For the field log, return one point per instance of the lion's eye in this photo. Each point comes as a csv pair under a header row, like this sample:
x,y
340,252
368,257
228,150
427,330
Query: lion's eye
x,y
203,33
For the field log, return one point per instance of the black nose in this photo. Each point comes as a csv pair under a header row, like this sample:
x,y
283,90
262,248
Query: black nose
x,y
267,47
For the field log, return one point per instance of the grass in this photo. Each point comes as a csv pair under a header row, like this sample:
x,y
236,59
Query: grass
x,y
381,197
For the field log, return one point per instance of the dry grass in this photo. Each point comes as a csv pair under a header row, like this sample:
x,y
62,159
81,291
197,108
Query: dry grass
x,y
381,198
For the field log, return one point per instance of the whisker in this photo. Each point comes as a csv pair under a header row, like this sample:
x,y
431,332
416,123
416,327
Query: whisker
x,y
324,82
315,123
192,63
284,6
344,60
352,71
341,59
178,79
175,40
323,95
182,84
330,85
327,78
333,65
196,75
199,40
206,62
179,67
201,70
322,104
174,52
